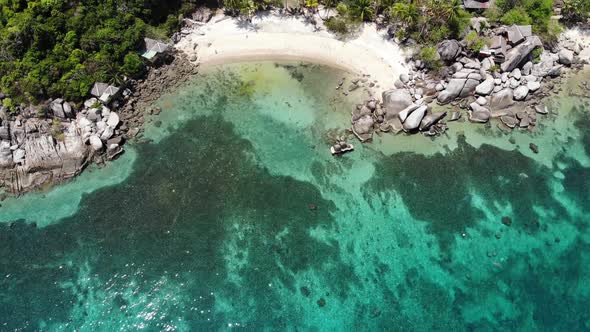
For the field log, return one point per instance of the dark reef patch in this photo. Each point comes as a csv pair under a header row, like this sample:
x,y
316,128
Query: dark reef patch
x,y
171,217
437,188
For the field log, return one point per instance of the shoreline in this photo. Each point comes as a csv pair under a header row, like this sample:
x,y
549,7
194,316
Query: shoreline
x,y
379,62
277,37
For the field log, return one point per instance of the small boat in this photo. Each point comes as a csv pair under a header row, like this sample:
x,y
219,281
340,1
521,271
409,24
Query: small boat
x,y
341,148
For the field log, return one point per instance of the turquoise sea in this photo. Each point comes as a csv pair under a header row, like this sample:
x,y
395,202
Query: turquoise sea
x,y
234,216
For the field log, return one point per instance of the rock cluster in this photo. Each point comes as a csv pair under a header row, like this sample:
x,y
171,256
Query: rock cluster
x,y
400,111
502,74
513,69
54,145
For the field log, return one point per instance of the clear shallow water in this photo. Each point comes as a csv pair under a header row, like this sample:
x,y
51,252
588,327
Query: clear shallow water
x,y
235,216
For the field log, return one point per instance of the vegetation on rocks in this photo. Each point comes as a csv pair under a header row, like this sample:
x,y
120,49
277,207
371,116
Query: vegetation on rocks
x,y
430,57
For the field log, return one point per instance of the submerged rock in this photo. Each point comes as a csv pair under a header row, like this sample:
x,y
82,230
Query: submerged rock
x,y
363,128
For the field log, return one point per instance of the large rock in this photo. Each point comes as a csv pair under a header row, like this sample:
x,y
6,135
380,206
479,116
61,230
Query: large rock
x,y
486,87
394,101
94,114
95,142
57,108
404,78
469,88
509,121
68,111
403,115
445,97
457,87
6,160
431,119
518,54
449,50
363,127
533,86
502,99
566,57
521,92
415,118
526,69
516,74
18,156
478,113
107,133
4,133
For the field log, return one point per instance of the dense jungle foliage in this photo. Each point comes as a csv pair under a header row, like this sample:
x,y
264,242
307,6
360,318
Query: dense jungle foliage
x,y
51,48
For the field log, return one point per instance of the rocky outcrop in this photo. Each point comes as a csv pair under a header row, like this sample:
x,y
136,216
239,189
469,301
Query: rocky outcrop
x,y
566,57
521,92
34,152
394,101
502,99
431,119
449,50
518,54
486,87
39,158
415,118
362,123
479,113
458,88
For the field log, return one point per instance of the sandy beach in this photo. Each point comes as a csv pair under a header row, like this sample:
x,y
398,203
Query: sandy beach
x,y
275,37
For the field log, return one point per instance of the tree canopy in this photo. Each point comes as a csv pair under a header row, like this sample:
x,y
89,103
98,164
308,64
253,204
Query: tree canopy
x,y
51,48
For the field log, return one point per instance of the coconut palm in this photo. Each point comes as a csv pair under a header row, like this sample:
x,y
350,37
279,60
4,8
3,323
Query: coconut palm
x,y
452,9
405,12
362,9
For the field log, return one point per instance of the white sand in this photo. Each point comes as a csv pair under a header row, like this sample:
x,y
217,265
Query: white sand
x,y
275,37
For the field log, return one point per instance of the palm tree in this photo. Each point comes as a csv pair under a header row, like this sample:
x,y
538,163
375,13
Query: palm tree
x,y
453,9
362,9
407,13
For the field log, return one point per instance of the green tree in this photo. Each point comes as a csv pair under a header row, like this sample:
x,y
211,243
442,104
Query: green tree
x,y
517,15
407,13
132,64
362,10
430,57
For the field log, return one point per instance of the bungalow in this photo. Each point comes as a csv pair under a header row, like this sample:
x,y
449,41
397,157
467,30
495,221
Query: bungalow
x,y
153,48
105,92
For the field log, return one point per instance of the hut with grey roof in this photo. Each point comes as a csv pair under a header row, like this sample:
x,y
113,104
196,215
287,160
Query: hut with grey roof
x,y
105,92
154,49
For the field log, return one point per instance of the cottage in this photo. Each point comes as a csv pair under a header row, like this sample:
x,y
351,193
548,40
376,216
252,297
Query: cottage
x,y
105,92
153,48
